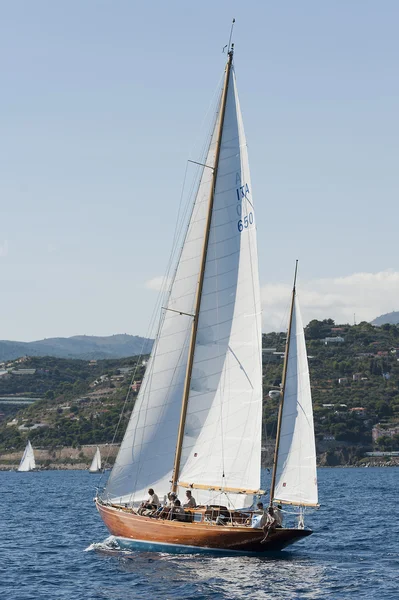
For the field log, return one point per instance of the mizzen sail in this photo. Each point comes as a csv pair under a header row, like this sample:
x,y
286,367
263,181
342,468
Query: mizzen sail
x,y
296,477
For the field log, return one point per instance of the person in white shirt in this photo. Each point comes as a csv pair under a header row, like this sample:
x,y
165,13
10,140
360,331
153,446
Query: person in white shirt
x,y
151,504
191,503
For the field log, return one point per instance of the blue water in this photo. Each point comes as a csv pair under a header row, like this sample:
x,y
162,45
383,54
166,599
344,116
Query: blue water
x,y
48,521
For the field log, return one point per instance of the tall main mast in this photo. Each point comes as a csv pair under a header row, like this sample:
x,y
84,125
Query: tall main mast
x,y
280,410
194,328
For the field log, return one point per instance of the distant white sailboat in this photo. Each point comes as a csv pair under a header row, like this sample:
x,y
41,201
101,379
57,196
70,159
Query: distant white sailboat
x,y
95,466
28,459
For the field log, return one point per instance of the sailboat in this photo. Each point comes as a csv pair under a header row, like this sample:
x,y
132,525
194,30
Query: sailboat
x,y
196,424
95,466
28,459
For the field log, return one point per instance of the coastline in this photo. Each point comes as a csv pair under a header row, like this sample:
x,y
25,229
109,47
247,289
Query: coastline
x,y
80,457
65,458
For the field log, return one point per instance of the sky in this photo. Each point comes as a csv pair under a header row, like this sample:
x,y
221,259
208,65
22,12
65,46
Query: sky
x,y
102,103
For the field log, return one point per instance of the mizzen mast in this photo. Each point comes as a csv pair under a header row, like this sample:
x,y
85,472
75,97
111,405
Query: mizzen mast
x,y
284,380
198,296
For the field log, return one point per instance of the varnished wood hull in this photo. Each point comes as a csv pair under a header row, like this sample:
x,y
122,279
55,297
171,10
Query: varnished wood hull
x,y
163,535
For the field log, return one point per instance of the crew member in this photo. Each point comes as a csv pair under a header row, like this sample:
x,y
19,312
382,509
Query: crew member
x,y
191,503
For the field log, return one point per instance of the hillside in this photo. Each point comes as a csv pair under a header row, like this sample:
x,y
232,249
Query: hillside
x,y
392,318
354,374
78,402
85,347
355,385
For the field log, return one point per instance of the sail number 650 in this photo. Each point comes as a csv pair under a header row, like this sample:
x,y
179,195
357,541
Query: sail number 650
x,y
243,223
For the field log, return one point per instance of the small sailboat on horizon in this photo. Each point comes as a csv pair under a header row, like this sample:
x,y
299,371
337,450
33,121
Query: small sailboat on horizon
x,y
196,424
28,462
95,466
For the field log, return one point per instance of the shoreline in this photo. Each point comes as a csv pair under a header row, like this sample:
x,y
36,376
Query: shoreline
x,y
85,466
68,458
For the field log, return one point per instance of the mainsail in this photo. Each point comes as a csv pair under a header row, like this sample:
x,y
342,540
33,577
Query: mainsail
x,y
28,459
221,443
296,477
95,466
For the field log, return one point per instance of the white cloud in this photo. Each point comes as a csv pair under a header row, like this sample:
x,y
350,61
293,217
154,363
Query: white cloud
x,y
367,295
157,283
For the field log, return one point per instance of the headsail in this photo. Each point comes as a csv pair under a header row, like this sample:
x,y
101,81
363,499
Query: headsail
x,y
28,459
296,477
222,430
95,466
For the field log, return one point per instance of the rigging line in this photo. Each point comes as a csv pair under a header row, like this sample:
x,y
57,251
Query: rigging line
x,y
149,331
179,227
212,109
204,146
140,464
187,229
124,406
201,164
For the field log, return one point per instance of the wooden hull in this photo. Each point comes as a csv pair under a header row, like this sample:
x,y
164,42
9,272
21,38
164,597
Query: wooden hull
x,y
142,532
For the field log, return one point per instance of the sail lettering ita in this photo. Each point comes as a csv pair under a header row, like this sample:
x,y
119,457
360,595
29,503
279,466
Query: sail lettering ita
x,y
196,423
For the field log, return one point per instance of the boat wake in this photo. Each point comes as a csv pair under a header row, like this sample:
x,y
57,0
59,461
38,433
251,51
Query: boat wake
x,y
108,546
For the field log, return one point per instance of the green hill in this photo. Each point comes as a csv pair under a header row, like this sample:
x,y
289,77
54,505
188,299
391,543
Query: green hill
x,y
85,347
392,318
354,375
355,382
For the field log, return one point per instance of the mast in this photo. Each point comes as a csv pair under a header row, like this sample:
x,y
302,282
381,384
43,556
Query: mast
x,y
194,328
280,410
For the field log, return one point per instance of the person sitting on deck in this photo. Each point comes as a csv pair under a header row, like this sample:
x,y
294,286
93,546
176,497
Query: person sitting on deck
x,y
259,509
163,511
271,523
177,512
259,517
191,503
151,504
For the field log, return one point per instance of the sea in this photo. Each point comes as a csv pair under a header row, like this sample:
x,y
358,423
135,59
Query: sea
x,y
54,546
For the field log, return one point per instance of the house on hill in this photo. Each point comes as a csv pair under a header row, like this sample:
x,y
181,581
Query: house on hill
x,y
380,431
333,340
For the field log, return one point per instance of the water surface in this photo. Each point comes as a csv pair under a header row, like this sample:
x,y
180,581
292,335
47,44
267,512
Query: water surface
x,y
48,521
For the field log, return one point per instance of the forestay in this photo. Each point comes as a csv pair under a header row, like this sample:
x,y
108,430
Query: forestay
x,y
28,459
222,441
148,448
296,479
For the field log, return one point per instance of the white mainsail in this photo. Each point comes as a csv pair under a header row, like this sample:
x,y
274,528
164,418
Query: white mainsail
x,y
222,435
28,459
95,466
222,441
296,477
